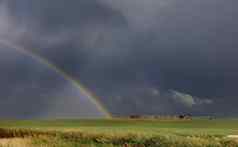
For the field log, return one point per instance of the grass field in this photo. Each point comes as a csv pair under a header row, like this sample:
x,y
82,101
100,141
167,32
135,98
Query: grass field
x,y
199,132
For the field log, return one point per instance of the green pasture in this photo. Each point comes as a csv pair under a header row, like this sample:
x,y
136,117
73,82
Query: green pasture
x,y
120,132
194,126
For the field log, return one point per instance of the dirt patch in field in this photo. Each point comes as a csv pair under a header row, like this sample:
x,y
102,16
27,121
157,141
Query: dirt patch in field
x,y
15,142
235,137
232,136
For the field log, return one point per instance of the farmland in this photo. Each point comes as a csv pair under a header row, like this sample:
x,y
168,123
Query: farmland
x,y
197,132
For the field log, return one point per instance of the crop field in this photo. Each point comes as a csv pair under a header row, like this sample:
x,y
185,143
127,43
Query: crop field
x,y
198,132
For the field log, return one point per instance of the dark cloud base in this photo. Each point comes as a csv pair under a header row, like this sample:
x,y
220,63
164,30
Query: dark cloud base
x,y
132,54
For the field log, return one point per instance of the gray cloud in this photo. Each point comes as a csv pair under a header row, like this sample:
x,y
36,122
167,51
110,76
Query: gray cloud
x,y
145,98
188,100
140,14
29,86
120,49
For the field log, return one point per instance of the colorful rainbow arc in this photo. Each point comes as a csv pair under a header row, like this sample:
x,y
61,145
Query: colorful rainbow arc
x,y
76,83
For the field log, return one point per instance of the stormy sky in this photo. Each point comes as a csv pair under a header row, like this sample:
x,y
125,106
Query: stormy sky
x,y
160,57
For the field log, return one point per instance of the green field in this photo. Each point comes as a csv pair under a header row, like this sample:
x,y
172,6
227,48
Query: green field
x,y
122,132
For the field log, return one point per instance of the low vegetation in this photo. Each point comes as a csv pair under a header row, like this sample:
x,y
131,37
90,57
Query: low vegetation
x,y
119,133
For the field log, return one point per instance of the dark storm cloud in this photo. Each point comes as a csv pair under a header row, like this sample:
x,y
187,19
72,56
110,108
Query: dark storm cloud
x,y
32,90
123,49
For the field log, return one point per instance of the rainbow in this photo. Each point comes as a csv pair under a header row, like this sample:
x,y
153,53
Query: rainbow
x,y
76,83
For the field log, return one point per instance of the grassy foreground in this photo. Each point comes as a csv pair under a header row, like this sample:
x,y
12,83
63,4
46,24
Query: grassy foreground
x,y
119,132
